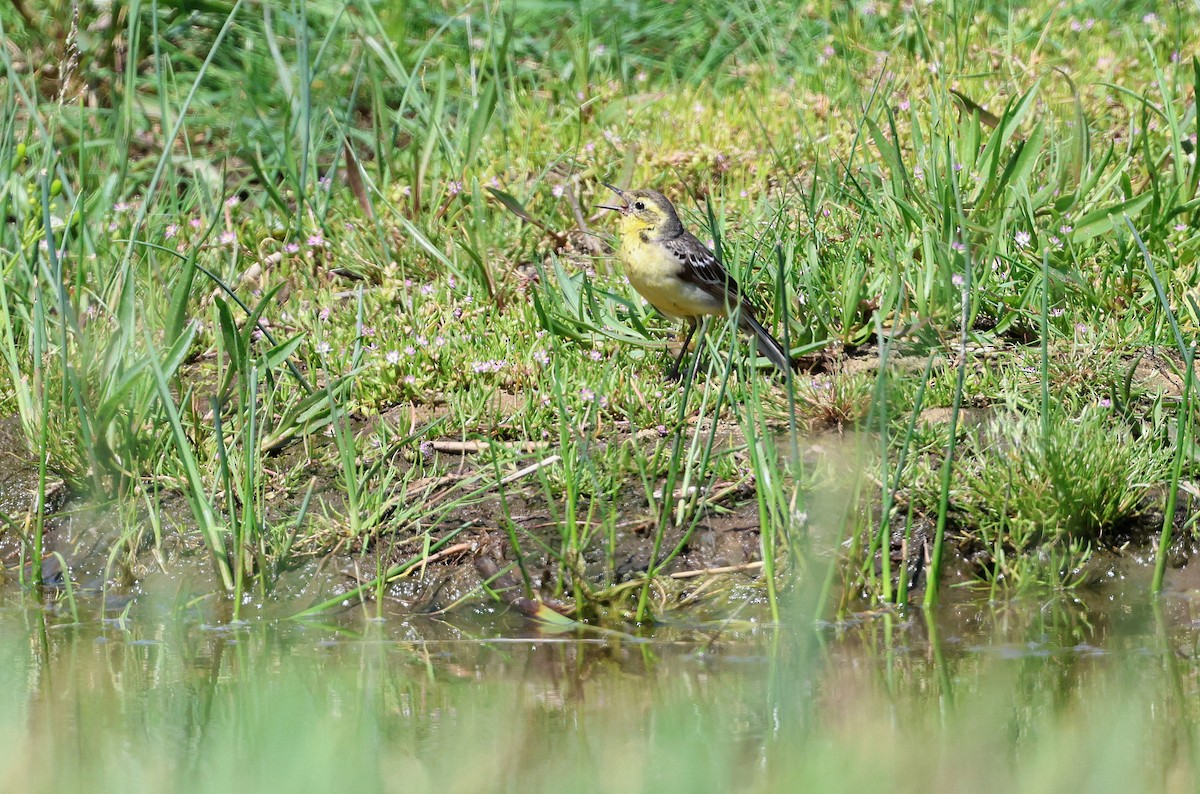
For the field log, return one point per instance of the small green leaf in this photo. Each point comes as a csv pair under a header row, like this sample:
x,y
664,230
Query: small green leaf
x,y
512,205
278,355
480,120
1102,221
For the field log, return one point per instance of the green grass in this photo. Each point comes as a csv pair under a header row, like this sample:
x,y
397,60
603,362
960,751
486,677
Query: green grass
x,y
244,246
1022,486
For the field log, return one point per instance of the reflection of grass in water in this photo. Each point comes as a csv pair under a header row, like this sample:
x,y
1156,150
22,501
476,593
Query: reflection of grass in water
x,y
371,708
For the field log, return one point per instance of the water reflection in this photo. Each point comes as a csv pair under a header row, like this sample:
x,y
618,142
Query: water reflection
x,y
1025,694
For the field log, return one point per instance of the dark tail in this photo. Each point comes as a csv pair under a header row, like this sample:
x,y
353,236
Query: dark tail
x,y
766,343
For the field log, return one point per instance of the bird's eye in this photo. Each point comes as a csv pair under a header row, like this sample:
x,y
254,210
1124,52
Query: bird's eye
x,y
641,205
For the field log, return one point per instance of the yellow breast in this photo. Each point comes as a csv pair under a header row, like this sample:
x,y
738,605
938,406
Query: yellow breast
x,y
655,274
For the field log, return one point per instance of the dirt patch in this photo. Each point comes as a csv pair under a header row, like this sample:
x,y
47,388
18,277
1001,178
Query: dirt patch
x,y
104,546
1159,371
118,550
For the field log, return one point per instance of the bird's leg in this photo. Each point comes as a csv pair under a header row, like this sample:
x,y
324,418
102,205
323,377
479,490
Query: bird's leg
x,y
673,373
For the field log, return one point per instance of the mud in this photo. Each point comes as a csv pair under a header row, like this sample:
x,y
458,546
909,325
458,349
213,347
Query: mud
x,y
123,551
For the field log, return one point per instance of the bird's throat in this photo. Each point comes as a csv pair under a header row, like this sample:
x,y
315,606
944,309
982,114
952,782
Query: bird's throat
x,y
634,228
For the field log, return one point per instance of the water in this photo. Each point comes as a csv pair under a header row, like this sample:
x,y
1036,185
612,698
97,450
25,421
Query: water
x,y
1033,695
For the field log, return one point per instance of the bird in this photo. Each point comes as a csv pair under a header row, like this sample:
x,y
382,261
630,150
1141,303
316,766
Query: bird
x,y
679,275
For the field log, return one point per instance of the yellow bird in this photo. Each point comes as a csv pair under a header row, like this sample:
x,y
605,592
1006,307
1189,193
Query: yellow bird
x,y
680,277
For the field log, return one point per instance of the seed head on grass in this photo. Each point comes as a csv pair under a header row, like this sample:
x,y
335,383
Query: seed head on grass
x,y
838,401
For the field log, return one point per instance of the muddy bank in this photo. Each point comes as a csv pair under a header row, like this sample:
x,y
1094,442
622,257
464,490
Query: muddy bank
x,y
123,550
127,549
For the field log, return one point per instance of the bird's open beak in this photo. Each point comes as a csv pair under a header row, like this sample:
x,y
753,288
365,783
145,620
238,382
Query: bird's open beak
x,y
620,193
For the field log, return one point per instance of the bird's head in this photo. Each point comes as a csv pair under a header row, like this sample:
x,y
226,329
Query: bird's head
x,y
647,214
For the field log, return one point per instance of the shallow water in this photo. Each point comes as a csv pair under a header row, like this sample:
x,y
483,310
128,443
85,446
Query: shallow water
x,y
1039,695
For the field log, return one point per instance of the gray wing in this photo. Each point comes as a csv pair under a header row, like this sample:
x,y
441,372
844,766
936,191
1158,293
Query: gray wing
x,y
700,264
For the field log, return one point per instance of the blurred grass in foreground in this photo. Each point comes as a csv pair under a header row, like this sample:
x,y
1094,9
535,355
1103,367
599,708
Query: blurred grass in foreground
x,y
996,699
